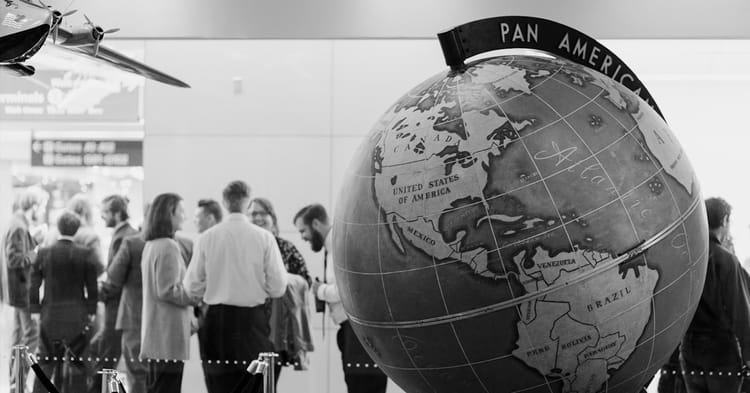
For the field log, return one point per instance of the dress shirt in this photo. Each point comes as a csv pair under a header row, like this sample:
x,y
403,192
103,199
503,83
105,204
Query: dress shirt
x,y
236,263
329,292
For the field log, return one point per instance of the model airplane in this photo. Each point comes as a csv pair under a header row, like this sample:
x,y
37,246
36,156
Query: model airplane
x,y
25,27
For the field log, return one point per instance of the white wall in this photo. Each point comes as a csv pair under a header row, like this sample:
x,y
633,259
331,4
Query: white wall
x,y
305,105
290,134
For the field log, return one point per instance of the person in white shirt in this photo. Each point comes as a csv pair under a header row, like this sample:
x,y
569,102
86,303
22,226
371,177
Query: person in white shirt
x,y
236,267
314,226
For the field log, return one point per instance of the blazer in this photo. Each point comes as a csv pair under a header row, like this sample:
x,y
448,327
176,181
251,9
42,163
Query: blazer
x,y
18,250
85,236
68,272
124,274
110,296
165,315
120,233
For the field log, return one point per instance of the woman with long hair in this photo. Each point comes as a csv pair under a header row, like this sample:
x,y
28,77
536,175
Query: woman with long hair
x,y
165,323
262,214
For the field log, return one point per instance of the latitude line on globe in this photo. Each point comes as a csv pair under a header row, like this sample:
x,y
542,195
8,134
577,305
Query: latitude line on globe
x,y
636,250
493,359
506,246
529,184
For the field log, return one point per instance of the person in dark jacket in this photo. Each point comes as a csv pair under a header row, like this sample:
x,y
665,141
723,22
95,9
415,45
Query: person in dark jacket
x,y
106,344
717,341
124,274
68,272
19,251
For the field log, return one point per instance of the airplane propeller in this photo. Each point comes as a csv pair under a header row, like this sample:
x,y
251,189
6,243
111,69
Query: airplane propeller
x,y
57,18
98,33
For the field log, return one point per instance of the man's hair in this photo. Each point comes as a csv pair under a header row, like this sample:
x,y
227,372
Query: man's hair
x,y
68,223
81,205
159,220
31,196
211,207
311,212
234,194
716,210
117,204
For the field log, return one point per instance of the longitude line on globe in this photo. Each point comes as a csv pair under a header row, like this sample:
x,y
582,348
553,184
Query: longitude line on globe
x,y
398,332
453,328
674,201
630,219
497,244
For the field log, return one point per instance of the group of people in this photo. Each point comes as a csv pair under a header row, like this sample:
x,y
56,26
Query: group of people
x,y
239,286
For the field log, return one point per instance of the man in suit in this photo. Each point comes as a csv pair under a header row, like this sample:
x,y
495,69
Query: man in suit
x,y
124,275
107,344
19,247
69,273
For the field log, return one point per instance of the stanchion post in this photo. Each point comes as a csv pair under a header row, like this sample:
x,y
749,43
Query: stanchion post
x,y
19,369
269,374
109,381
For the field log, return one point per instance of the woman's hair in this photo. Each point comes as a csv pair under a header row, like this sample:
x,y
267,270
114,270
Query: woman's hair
x,y
268,207
159,219
83,208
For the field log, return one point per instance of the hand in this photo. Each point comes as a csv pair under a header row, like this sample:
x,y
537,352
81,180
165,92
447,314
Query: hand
x,y
92,317
194,325
315,285
104,292
35,317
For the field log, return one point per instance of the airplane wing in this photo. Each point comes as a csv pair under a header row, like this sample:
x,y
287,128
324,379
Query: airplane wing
x,y
116,59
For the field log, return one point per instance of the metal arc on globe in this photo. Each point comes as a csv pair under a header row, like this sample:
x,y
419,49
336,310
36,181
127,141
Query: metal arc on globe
x,y
526,224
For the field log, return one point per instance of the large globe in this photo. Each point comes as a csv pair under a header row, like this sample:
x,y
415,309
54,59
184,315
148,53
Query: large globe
x,y
526,225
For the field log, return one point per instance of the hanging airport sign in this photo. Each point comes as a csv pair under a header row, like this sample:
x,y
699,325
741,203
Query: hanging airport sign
x,y
86,153
53,95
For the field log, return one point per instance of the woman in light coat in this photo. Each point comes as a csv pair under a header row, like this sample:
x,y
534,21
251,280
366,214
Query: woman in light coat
x,y
165,324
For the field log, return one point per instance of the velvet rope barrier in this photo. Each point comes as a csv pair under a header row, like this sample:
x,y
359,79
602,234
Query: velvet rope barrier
x,y
43,378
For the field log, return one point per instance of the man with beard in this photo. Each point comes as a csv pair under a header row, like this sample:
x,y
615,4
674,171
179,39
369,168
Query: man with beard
x,y
314,227
236,267
19,250
106,345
